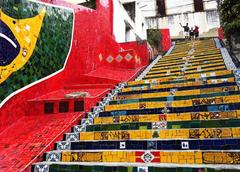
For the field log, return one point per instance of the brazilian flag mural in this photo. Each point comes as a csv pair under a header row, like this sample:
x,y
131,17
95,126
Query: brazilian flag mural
x,y
34,42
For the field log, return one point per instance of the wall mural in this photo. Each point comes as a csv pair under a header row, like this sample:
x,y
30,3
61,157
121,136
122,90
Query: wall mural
x,y
34,43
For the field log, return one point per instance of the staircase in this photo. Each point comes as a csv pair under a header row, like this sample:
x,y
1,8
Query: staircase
x,y
183,115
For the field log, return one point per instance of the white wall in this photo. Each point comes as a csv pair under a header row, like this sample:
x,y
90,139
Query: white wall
x,y
178,6
121,17
75,1
148,7
140,23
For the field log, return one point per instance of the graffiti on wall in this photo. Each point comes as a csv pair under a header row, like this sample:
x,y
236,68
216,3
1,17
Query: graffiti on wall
x,y
35,40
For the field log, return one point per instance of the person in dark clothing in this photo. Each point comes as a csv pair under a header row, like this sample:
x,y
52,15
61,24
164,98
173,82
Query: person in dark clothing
x,y
196,32
191,33
186,30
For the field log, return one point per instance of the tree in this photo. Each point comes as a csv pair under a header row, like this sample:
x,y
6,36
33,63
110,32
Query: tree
x,y
230,16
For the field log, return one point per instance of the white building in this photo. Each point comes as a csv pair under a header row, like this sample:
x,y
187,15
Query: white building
x,y
181,11
133,17
129,23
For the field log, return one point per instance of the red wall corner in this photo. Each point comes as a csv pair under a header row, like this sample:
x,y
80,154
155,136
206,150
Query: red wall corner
x,y
166,39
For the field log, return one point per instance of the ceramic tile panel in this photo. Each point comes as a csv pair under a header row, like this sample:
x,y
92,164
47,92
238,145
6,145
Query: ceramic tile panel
x,y
221,157
37,28
184,112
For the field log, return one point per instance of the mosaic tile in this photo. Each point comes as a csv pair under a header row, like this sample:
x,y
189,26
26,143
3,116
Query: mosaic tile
x,y
56,59
185,111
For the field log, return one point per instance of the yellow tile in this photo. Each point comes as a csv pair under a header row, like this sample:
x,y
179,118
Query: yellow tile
x,y
175,159
182,161
190,161
66,156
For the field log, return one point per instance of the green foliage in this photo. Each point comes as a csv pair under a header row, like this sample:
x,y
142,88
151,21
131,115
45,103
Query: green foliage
x,y
51,48
230,16
154,38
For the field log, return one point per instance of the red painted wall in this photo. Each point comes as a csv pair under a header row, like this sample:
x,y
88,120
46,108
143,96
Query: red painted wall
x,y
93,34
141,49
166,39
220,33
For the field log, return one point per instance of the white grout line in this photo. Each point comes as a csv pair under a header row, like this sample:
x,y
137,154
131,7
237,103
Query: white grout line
x,y
163,165
149,140
129,150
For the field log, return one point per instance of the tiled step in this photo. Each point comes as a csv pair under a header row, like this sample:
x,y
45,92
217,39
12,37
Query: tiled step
x,y
156,84
171,97
185,112
178,103
176,93
199,108
156,157
157,134
130,167
197,68
193,144
203,75
217,69
189,66
161,125
147,88
200,59
199,62
168,117
195,58
194,78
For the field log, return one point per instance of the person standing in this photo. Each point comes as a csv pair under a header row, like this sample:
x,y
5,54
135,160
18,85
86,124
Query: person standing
x,y
186,30
196,32
191,33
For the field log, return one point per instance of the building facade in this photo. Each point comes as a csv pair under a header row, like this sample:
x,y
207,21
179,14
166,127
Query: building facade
x,y
169,13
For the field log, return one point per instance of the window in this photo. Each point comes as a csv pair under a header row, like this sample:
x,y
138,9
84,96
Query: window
x,y
212,18
185,18
198,5
170,20
78,106
130,8
161,7
48,107
63,107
